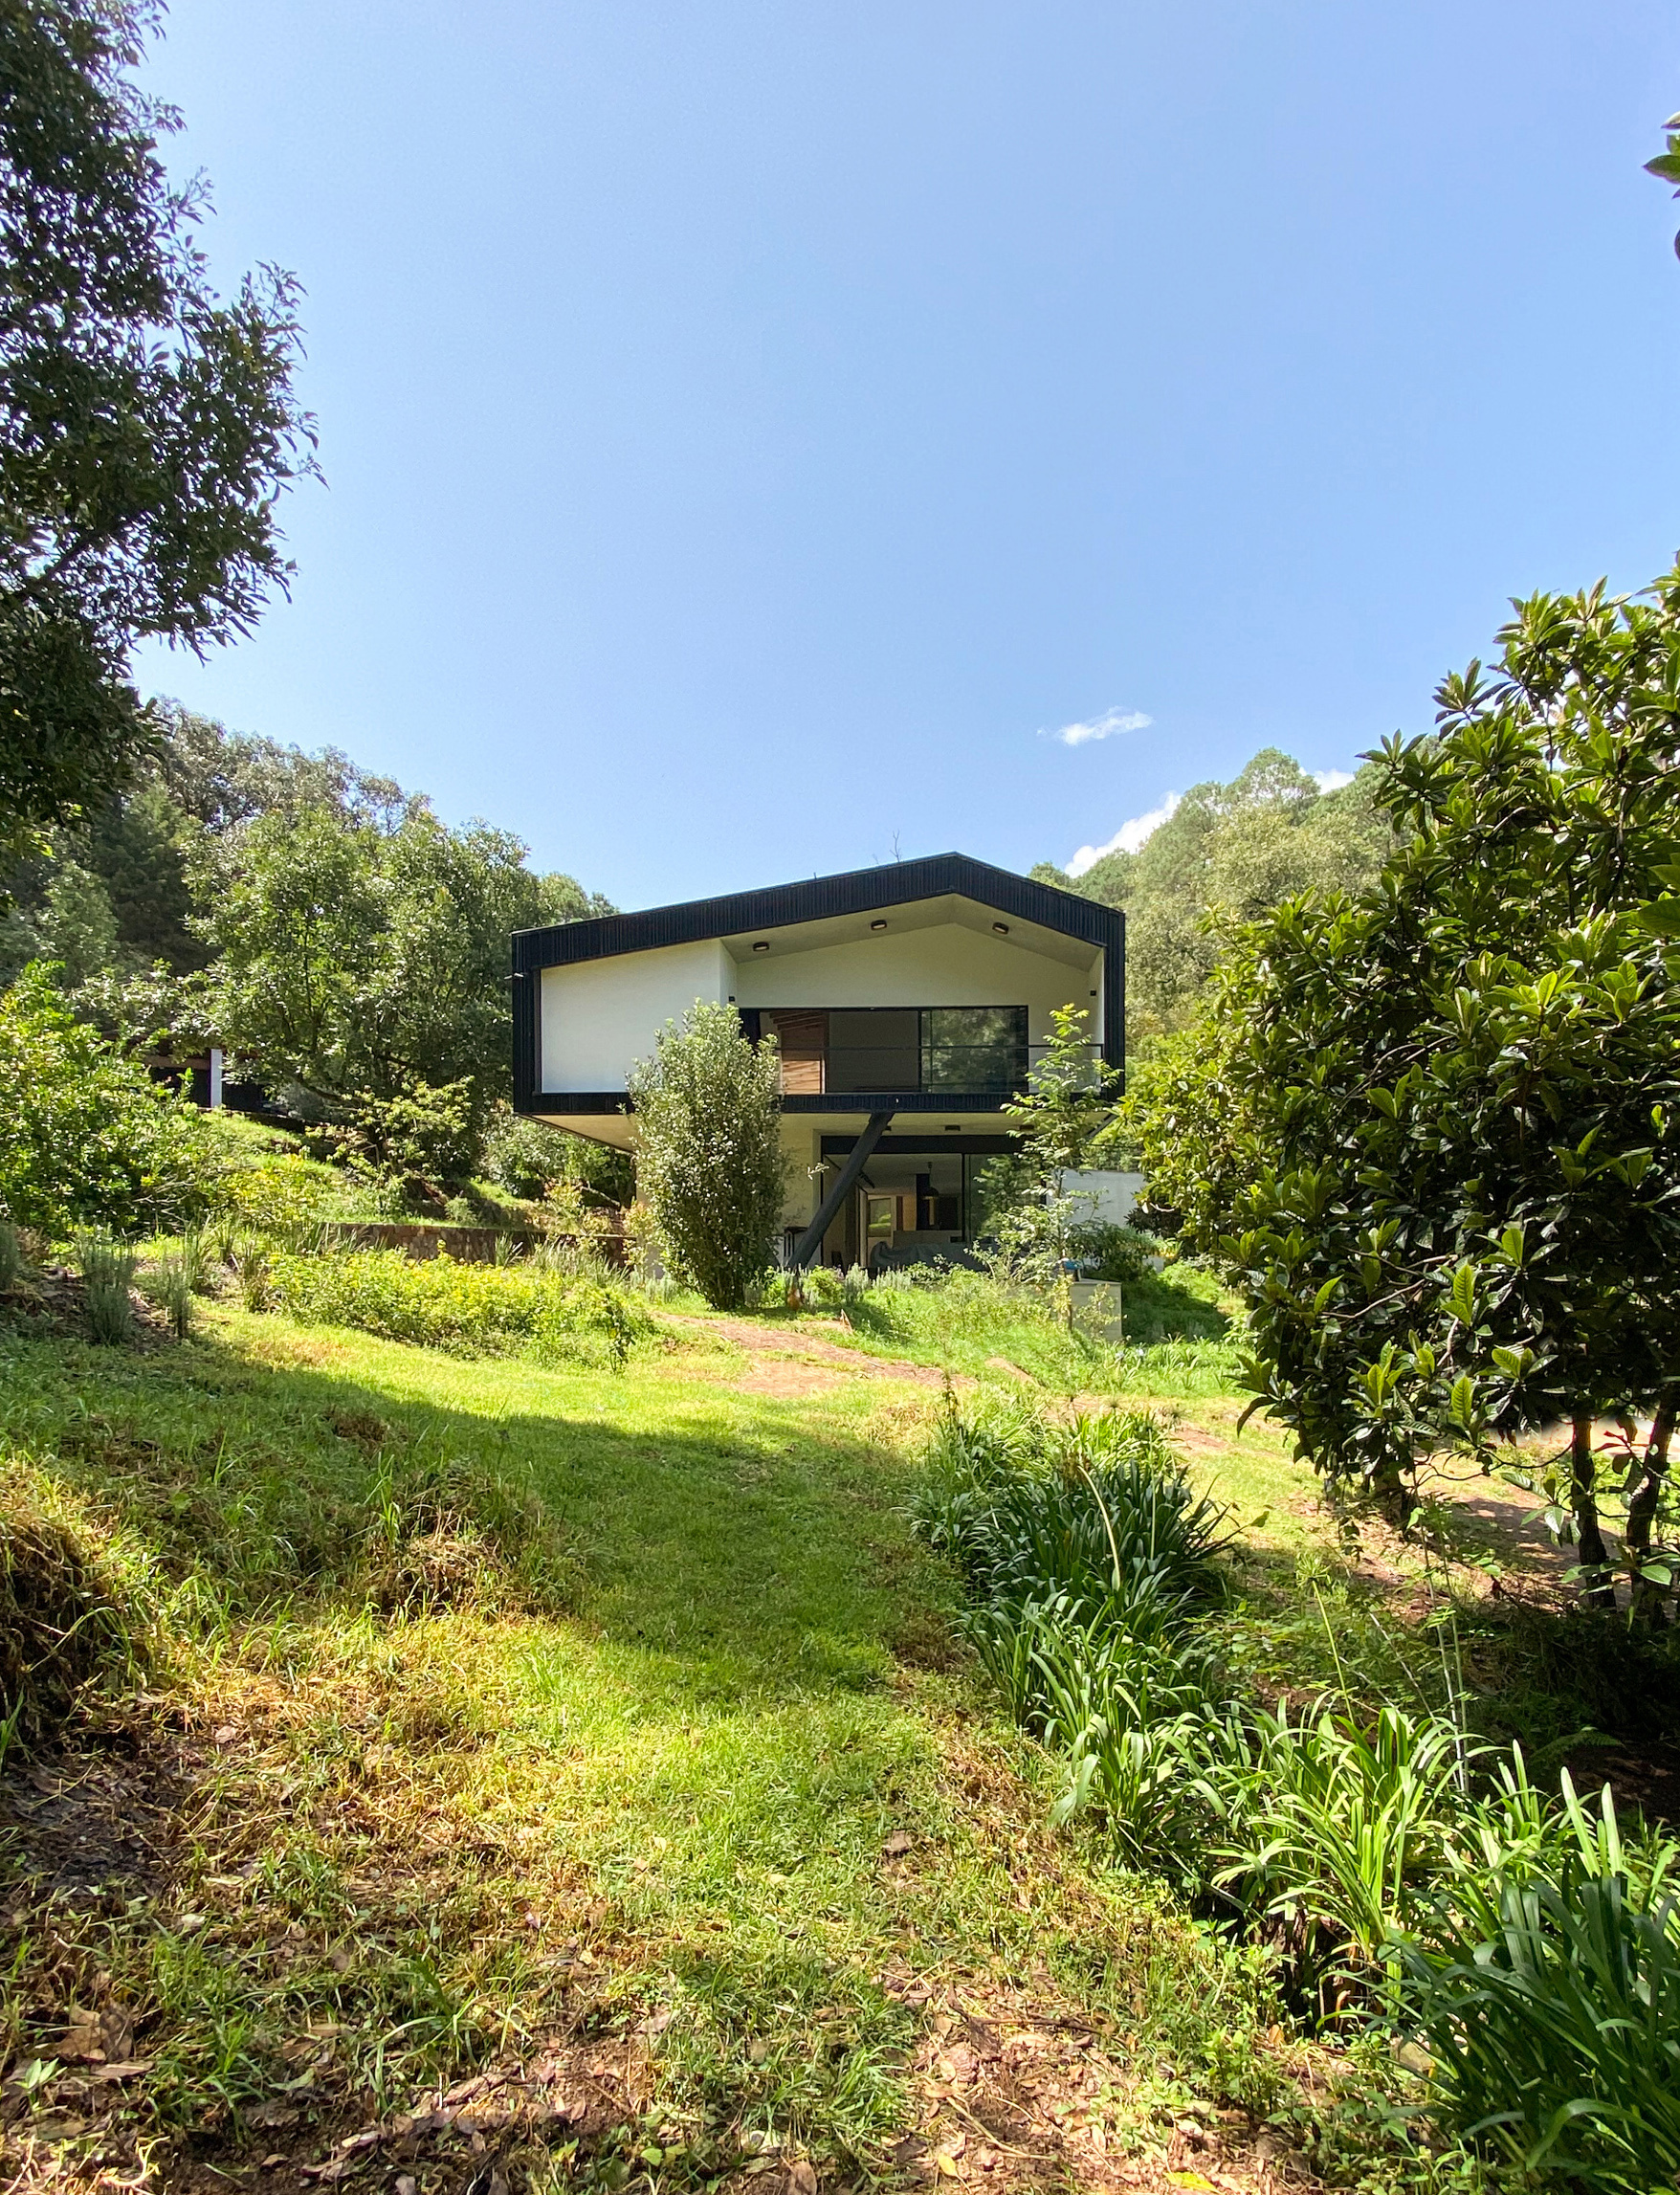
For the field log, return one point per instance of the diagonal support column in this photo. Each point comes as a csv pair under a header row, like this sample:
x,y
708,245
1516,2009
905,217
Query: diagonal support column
x,y
811,1240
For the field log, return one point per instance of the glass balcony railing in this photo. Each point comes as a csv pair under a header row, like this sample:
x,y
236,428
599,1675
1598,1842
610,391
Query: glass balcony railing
x,y
959,1050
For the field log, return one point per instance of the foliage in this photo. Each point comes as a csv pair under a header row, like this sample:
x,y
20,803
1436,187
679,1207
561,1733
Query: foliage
x,y
1444,1118
1388,1858
1666,164
421,1134
469,1310
369,964
1033,1220
86,1138
1551,2002
524,1155
1105,1252
1225,854
145,426
1098,1509
107,1271
709,1158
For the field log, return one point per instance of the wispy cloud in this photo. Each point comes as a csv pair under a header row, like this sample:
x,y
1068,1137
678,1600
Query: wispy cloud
x,y
1129,837
1103,727
1328,779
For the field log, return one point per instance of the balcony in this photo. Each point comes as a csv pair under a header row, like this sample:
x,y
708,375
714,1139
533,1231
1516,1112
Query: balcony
x,y
902,1050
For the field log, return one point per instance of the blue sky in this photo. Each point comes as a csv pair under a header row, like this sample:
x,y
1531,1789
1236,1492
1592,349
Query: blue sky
x,y
752,432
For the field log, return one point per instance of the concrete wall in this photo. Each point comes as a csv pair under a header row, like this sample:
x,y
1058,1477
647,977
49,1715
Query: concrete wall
x,y
1111,1195
599,1016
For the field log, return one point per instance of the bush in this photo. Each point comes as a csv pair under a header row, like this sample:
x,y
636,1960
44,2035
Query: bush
x,y
86,1138
1098,1514
709,1160
469,1310
1104,1252
1552,2005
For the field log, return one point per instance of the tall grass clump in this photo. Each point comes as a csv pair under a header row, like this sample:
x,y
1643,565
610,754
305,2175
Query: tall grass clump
x,y
1397,1871
107,1271
12,1261
1087,1555
1551,2000
468,1309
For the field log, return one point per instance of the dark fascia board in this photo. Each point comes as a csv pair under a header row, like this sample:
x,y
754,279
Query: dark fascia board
x,y
854,892
780,906
971,1101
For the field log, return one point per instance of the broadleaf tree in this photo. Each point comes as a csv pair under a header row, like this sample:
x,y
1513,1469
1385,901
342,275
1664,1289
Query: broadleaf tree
x,y
146,425
1444,1114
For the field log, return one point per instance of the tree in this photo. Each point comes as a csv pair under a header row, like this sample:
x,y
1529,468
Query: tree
x,y
1445,1113
1666,164
1032,1214
369,965
1225,854
709,1160
145,426
86,1138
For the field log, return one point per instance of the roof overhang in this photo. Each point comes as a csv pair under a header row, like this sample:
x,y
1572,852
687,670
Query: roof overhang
x,y
825,910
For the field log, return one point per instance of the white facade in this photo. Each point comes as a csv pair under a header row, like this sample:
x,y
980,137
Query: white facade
x,y
596,1016
600,1016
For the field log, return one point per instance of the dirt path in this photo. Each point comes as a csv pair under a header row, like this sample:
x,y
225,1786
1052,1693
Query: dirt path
x,y
824,1362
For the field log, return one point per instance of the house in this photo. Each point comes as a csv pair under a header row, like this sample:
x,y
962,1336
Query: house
x,y
910,1001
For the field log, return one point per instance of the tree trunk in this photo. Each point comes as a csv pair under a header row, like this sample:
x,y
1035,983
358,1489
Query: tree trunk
x,y
1648,1595
1596,1588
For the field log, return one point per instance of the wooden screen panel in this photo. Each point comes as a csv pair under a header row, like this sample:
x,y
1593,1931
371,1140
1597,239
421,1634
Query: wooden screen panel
x,y
804,1050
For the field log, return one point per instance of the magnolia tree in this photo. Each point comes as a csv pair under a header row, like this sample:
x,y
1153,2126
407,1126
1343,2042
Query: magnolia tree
x,y
709,1160
1433,1130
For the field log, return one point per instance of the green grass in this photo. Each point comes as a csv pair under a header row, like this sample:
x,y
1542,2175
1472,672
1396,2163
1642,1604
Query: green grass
x,y
1176,1333
689,1760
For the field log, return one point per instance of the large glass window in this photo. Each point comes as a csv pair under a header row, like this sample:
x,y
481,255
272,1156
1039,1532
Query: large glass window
x,y
973,1048
873,1048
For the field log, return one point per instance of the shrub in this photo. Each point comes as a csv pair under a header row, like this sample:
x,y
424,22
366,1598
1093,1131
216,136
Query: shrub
x,y
709,1160
470,1310
1104,1252
86,1138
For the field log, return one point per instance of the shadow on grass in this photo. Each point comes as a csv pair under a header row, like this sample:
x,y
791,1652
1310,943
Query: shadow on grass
x,y
740,1547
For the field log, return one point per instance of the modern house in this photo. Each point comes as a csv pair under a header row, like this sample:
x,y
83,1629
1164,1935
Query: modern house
x,y
909,1002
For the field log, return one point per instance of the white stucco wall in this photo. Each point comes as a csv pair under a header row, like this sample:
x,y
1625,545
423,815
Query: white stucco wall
x,y
947,964
600,1016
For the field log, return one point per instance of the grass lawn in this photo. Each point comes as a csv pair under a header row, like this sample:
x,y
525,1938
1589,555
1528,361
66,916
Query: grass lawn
x,y
571,1776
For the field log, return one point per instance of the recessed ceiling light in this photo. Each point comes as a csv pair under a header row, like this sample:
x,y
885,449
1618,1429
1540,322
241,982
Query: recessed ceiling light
x,y
879,924
762,946
1001,928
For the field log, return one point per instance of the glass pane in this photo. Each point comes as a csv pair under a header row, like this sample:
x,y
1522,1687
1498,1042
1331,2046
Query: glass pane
x,y
874,1049
974,1048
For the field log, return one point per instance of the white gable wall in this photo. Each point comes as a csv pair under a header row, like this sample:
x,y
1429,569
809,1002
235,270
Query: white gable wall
x,y
599,1017
950,965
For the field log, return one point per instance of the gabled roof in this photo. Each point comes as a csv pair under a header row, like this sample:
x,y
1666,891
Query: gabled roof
x,y
854,892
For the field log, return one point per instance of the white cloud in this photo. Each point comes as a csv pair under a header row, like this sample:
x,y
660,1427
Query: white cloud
x,y
1103,727
1327,779
1129,837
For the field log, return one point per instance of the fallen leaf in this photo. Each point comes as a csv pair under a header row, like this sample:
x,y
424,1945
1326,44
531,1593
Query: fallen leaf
x,y
130,2069
897,1844
802,2179
1190,2180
